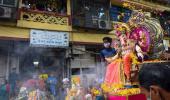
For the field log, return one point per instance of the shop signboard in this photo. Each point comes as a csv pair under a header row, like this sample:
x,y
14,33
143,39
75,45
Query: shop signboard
x,y
40,38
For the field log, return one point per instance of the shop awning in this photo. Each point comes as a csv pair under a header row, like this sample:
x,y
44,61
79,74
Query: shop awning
x,y
7,32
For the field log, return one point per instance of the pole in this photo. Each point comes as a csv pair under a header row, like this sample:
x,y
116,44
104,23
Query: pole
x,y
7,70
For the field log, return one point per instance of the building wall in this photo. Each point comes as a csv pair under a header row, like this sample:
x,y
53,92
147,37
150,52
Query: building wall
x,y
11,32
85,63
6,65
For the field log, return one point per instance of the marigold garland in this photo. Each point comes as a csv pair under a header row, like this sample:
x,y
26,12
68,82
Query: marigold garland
x,y
119,90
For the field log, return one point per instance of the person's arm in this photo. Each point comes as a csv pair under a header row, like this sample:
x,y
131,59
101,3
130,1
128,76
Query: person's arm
x,y
48,80
55,81
139,50
111,59
102,58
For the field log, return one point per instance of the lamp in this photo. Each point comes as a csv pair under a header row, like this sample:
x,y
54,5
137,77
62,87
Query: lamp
x,y
36,63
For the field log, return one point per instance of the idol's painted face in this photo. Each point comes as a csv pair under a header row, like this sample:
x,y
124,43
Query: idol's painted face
x,y
106,44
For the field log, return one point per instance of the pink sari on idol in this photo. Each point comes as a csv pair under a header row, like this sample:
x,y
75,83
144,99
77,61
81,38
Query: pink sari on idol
x,y
115,73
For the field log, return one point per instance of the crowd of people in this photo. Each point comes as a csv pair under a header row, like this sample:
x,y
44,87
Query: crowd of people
x,y
84,91
55,6
34,87
8,88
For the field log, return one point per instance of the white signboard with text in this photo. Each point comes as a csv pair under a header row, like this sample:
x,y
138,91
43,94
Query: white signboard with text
x,y
40,38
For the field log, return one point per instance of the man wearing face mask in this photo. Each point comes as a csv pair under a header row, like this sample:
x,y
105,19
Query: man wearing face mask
x,y
154,80
106,53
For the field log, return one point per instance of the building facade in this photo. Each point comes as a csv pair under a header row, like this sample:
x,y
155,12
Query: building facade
x,y
86,23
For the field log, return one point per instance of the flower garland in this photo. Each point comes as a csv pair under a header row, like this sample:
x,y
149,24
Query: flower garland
x,y
119,90
95,91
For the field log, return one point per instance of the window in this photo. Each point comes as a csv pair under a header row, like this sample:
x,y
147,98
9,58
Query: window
x,y
120,14
165,22
75,71
8,2
87,13
88,70
55,6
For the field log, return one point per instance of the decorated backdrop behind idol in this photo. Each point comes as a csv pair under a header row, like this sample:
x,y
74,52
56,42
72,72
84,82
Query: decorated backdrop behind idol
x,y
146,31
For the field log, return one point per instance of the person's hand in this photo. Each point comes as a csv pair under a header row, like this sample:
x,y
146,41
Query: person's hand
x,y
118,50
108,59
144,53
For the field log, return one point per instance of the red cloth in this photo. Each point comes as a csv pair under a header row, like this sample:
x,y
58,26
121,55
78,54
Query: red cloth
x,y
35,83
113,72
131,97
30,83
8,88
127,62
41,84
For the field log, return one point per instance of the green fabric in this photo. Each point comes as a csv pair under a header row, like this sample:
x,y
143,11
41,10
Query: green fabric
x,y
4,95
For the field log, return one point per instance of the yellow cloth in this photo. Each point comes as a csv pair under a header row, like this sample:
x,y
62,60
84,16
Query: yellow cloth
x,y
134,59
75,80
43,76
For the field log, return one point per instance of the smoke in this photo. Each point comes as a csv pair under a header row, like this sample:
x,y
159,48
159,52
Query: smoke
x,y
91,75
50,60
87,66
21,56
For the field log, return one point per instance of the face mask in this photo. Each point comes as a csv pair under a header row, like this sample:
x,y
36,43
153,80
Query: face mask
x,y
106,45
150,96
